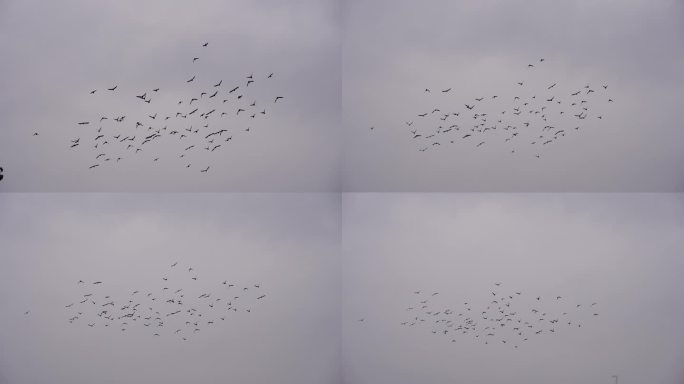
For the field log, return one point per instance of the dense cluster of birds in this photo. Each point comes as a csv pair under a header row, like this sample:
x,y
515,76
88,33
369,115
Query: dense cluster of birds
x,y
507,319
209,115
532,118
174,309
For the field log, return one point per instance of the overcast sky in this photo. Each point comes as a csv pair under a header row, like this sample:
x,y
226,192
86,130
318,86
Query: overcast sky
x,y
342,66
287,244
622,251
55,53
393,50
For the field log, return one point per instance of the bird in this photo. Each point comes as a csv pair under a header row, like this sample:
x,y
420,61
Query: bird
x,y
198,111
205,44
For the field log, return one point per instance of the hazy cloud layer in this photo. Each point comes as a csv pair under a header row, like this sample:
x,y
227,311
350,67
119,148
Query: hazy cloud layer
x,y
55,53
622,251
393,50
343,66
287,243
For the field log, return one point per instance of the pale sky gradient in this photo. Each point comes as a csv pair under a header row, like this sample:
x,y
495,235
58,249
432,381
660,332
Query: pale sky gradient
x,y
55,53
287,244
343,66
622,251
393,50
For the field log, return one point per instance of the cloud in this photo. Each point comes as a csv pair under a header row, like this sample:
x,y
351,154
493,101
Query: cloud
x,y
287,244
56,53
622,251
392,51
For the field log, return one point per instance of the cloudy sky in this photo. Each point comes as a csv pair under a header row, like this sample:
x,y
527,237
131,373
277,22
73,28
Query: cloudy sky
x,y
622,251
325,262
393,50
55,53
342,66
287,244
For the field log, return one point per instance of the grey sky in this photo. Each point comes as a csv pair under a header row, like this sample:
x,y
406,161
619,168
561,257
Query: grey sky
x,y
55,53
287,243
622,251
393,50
343,66
326,260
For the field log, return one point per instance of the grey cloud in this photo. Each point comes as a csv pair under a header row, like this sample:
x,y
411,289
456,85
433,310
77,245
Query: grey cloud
x,y
55,53
622,251
288,243
393,50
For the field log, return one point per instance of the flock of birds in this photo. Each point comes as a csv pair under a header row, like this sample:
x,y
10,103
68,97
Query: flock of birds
x,y
536,118
505,319
207,119
508,318
533,117
175,309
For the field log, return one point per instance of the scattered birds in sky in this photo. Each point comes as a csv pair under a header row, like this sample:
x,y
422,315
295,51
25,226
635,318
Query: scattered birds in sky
x,y
163,313
524,123
509,317
205,105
